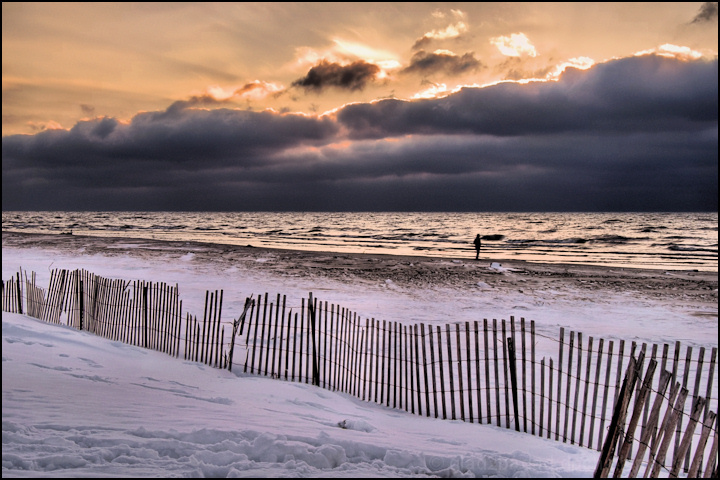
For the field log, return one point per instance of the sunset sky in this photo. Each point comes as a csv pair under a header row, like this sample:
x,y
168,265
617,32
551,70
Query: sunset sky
x,y
360,106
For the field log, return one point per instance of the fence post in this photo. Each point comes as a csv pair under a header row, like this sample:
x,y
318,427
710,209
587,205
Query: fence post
x,y
145,313
513,381
311,311
19,294
81,300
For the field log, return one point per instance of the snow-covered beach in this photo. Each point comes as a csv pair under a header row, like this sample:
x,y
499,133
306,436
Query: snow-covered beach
x,y
301,239
633,304
78,405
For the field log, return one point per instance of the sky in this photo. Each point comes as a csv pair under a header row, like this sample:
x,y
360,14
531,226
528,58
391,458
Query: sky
x,y
360,106
78,405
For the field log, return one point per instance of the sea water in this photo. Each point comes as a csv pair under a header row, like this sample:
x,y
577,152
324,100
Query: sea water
x,y
673,241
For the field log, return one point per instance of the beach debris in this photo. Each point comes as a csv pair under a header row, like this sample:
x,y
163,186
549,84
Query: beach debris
x,y
498,267
358,425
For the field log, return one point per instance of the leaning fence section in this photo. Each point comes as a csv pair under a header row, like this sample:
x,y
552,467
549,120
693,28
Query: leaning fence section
x,y
138,312
484,371
652,436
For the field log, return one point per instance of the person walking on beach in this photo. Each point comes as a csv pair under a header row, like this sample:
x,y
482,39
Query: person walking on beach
x,y
478,244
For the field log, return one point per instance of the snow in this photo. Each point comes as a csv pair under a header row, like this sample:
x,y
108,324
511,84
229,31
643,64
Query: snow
x,y
77,405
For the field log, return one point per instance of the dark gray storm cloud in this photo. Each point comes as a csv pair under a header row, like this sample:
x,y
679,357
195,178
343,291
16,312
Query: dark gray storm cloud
x,y
426,63
648,93
633,134
178,136
327,74
708,12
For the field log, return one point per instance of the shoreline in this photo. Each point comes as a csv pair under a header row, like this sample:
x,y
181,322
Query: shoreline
x,y
406,271
658,241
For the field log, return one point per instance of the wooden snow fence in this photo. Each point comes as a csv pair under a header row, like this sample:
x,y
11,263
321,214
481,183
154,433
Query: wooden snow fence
x,y
484,371
12,298
140,313
478,372
655,437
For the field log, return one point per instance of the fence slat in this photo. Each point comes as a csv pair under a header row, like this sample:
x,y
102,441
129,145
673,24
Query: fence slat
x,y
686,375
603,411
585,394
408,370
593,409
550,390
432,369
697,458
559,383
478,395
696,393
711,469
698,407
619,414
459,371
356,335
488,405
577,387
469,374
442,377
425,370
568,386
513,381
524,392
368,346
506,379
652,422
635,417
659,461
532,360
542,397
451,374
394,347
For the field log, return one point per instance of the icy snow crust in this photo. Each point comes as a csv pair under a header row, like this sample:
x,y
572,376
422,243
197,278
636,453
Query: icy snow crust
x,y
76,405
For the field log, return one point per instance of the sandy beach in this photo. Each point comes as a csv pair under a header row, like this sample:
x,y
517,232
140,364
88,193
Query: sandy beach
x,y
413,288
418,272
639,305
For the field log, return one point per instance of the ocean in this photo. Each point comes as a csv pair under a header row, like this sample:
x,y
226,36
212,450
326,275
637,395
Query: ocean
x,y
671,241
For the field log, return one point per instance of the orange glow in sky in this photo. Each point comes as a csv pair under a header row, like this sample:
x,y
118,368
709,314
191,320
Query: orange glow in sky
x,y
63,62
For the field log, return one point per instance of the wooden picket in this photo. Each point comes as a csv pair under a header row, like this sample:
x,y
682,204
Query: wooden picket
x,y
424,369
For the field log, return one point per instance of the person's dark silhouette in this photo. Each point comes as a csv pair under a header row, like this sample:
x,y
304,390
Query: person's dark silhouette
x,y
478,244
